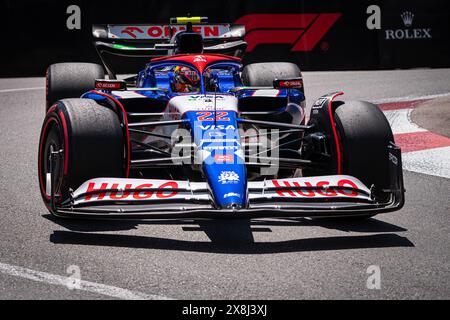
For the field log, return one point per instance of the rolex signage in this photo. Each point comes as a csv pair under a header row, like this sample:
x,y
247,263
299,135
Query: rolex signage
x,y
407,31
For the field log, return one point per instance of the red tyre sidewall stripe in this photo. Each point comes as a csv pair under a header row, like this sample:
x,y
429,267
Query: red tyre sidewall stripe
x,y
66,142
49,120
125,122
335,134
52,108
41,144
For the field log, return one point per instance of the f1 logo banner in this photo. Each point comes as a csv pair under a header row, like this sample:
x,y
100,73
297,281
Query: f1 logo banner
x,y
302,30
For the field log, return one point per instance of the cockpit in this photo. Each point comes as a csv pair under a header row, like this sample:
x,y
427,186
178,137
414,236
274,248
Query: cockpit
x,y
186,79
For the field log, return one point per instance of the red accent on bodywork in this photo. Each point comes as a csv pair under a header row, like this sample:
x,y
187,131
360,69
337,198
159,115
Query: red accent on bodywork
x,y
52,108
281,192
110,85
167,185
200,61
125,122
330,192
130,31
309,193
346,182
166,190
335,135
91,188
146,195
124,195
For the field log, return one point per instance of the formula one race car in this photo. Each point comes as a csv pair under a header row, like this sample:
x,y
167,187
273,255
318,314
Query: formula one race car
x,y
195,134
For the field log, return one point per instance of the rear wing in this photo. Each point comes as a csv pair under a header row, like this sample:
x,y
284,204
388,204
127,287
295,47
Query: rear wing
x,y
157,32
124,48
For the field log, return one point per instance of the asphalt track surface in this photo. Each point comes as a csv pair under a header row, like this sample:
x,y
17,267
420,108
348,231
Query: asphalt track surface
x,y
258,259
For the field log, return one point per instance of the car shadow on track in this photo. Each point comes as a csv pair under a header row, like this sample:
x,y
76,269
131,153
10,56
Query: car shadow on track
x,y
232,236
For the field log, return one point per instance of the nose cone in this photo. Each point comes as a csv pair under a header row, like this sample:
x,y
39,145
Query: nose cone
x,y
228,184
219,147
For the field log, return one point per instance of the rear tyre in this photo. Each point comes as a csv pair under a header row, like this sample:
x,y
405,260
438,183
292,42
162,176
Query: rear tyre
x,y
262,74
91,142
70,80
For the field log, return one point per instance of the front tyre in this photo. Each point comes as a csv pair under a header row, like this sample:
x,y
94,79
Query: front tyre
x,y
364,135
89,141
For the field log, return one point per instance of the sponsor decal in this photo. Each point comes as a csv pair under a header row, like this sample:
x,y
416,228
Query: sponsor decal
x,y
217,127
216,134
131,31
319,103
199,59
220,144
407,18
231,194
106,85
224,158
208,116
110,85
393,158
219,141
290,83
206,98
327,192
165,191
301,30
227,177
222,147
154,32
407,33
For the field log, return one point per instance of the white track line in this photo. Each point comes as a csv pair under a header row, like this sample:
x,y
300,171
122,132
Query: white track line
x,y
410,98
21,89
400,121
433,162
88,286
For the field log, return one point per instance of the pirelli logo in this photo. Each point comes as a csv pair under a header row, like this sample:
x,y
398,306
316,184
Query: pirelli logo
x,y
301,30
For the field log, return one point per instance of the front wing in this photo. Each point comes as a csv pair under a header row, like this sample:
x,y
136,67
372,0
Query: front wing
x,y
322,196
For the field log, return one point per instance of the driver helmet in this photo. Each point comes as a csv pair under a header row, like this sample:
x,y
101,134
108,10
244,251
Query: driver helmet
x,y
185,80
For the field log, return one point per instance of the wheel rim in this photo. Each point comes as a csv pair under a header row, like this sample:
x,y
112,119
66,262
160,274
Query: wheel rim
x,y
52,143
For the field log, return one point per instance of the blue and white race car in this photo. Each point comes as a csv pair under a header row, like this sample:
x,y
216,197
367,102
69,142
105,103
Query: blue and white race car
x,y
196,134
